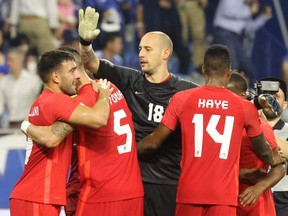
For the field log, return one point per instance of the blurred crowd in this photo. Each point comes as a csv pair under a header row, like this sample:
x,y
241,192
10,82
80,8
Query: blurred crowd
x,y
32,27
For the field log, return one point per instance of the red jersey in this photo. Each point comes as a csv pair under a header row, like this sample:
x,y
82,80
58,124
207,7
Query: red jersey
x,y
45,173
108,163
248,159
212,120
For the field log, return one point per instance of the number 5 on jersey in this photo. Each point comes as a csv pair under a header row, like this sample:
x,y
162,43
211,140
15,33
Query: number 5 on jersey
x,y
121,130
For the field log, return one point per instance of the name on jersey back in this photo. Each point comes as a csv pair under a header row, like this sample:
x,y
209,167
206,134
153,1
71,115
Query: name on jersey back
x,y
214,104
115,97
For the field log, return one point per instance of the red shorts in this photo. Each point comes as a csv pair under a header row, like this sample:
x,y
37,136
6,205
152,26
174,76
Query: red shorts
x,y
27,208
207,210
133,207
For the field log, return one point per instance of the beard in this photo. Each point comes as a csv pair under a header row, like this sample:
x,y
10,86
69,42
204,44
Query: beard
x,y
270,115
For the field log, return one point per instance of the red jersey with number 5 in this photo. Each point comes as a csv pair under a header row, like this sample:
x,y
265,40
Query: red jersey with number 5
x,y
212,120
108,163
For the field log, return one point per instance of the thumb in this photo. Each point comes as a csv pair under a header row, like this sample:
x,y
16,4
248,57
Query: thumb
x,y
95,33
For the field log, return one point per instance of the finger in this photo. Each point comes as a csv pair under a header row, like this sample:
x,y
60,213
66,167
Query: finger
x,y
80,15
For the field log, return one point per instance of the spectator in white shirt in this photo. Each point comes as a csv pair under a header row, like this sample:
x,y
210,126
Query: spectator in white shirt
x,y
18,89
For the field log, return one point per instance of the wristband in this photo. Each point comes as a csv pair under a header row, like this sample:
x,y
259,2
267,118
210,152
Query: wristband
x,y
84,42
85,49
24,126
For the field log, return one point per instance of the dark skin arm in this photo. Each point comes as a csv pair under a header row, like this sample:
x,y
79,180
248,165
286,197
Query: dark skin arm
x,y
153,141
252,193
264,152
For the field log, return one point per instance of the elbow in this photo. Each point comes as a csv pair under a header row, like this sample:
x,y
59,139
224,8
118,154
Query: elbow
x,y
51,142
283,170
100,121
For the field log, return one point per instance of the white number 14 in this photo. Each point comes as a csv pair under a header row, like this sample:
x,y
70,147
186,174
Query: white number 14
x,y
223,139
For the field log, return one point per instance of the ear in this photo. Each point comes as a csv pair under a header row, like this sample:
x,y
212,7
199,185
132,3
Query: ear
x,y
228,73
285,105
166,54
55,77
204,70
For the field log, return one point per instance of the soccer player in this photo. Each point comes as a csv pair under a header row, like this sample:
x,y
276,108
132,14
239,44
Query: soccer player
x,y
212,119
148,93
109,173
255,194
41,188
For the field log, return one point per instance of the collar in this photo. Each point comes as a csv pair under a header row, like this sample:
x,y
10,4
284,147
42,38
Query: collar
x,y
279,125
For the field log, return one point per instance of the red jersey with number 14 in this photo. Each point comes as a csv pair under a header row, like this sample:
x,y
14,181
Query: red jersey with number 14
x,y
108,164
212,120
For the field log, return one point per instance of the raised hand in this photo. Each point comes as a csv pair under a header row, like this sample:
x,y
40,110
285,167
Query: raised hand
x,y
88,21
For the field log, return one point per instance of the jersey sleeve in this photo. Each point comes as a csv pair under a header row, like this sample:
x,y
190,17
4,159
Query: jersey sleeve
x,y
171,115
252,121
62,107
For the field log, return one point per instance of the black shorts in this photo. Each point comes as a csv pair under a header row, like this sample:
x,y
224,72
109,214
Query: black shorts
x,y
159,199
281,202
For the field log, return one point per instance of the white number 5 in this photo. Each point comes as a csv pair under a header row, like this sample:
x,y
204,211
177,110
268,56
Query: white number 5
x,y
224,138
123,129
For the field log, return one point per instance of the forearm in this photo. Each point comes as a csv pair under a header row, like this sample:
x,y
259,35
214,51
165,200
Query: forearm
x,y
153,141
49,136
263,150
90,60
102,107
146,145
275,174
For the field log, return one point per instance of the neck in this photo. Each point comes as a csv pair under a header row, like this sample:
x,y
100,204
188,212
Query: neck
x,y
215,81
273,122
51,87
157,77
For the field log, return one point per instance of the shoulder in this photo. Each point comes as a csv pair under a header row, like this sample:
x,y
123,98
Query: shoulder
x,y
181,83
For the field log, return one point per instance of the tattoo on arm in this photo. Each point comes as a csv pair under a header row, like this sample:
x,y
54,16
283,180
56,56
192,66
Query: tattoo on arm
x,y
61,129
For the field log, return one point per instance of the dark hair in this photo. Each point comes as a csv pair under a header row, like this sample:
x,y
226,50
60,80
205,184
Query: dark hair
x,y
51,61
75,54
239,81
217,59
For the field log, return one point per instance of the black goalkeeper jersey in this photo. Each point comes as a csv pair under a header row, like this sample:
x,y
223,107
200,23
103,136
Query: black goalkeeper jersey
x,y
147,102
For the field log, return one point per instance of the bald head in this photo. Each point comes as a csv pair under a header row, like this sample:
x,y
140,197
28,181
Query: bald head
x,y
160,39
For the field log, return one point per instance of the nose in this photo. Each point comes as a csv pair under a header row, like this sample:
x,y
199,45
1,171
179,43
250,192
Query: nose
x,y
140,54
77,74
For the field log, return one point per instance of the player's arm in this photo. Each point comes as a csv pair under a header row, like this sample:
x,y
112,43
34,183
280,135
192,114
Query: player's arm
x,y
48,136
98,115
252,193
88,31
153,141
283,145
264,152
253,175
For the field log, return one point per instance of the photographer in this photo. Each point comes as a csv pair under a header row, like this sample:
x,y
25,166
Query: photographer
x,y
280,191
